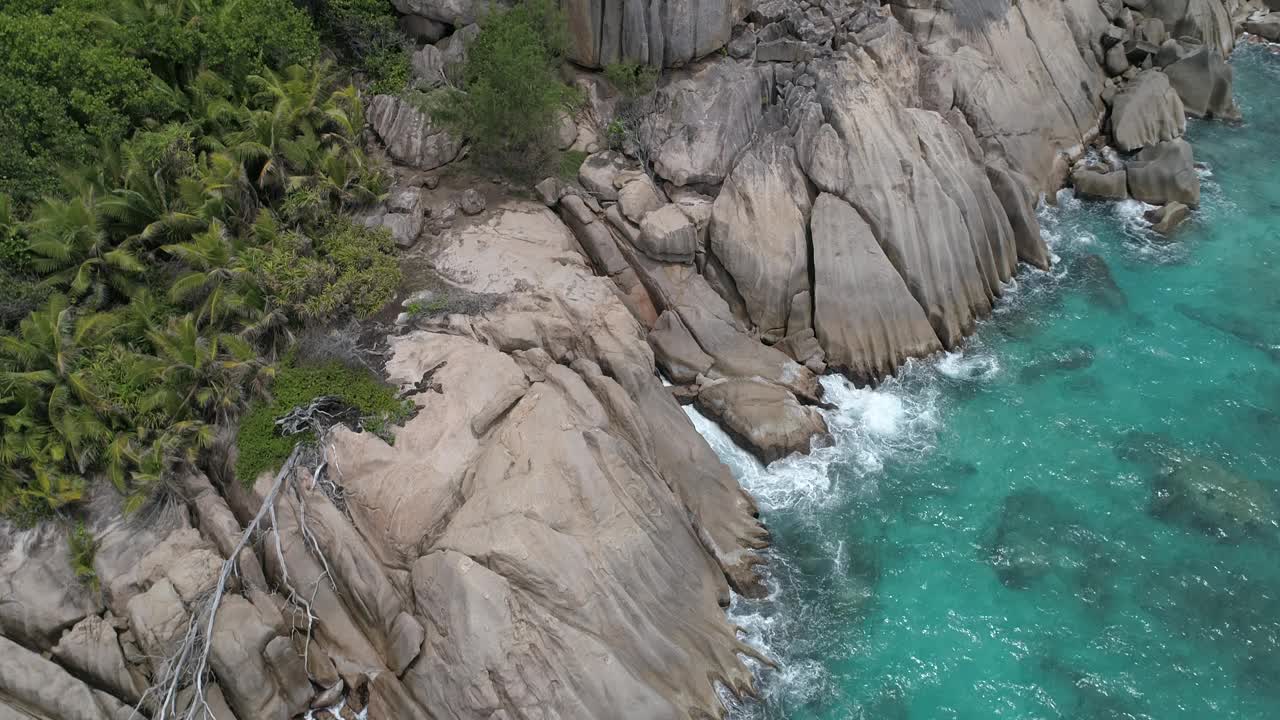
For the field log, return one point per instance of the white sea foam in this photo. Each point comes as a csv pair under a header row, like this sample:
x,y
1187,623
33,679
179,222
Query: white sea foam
x,y
968,366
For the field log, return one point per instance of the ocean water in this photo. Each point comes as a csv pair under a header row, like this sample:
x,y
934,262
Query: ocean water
x,y
997,534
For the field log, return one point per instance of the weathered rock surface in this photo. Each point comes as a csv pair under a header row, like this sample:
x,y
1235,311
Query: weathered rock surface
x,y
764,418
33,687
452,12
1203,81
1167,218
703,117
409,135
758,231
865,317
1165,173
1146,111
869,153
42,595
667,235
664,33
1095,185
1028,82
1266,26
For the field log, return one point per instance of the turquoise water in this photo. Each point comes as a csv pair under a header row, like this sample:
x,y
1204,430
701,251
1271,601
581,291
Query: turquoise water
x,y
988,537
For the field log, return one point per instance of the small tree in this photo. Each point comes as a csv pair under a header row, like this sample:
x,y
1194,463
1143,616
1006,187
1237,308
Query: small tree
x,y
512,88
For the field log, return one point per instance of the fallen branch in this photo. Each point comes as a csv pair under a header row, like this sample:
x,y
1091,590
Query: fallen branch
x,y
189,663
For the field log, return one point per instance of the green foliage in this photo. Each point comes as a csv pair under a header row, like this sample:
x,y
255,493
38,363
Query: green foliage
x,y
159,323
632,79
262,448
67,86
83,547
616,134
76,76
342,266
570,162
366,33
512,88
15,252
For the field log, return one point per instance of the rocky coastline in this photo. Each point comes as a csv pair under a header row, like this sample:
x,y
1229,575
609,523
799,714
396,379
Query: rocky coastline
x,y
813,187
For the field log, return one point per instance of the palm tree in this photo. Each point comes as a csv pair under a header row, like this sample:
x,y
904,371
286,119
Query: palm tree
x,y
77,254
56,425
191,370
216,282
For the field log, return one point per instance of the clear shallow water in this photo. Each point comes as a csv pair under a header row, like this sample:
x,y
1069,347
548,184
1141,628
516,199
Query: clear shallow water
x,y
980,542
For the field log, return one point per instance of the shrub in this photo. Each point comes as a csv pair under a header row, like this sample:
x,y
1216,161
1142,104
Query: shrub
x,y
82,548
366,32
15,253
632,79
570,163
345,268
66,87
512,88
262,448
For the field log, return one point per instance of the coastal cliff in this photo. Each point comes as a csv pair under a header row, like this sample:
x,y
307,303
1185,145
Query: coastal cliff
x,y
812,187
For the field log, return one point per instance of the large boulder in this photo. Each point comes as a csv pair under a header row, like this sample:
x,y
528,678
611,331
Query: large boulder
x,y
758,231
663,33
1096,185
551,588
865,317
1146,111
452,12
908,174
92,651
708,318
703,117
668,235
1206,21
1018,198
410,136
1203,81
41,595
675,350
1266,26
32,686
764,418
1204,495
1164,173
250,676
1026,78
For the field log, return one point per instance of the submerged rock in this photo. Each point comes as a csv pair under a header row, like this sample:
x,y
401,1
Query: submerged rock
x,y
1204,495
1243,329
1064,359
1037,535
1094,275
1156,451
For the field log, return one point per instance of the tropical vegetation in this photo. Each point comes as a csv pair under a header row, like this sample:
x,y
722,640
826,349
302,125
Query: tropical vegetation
x,y
512,89
174,207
